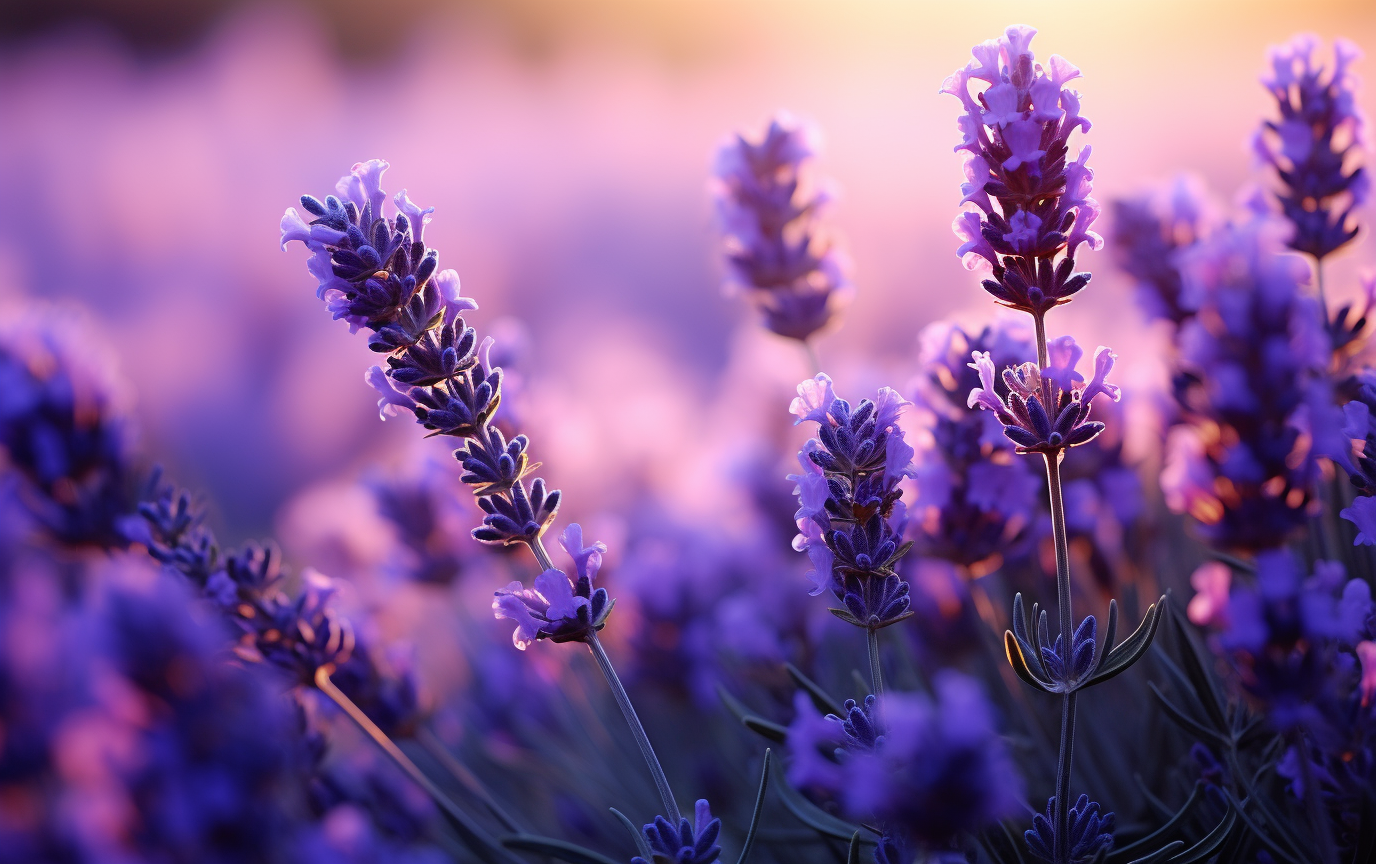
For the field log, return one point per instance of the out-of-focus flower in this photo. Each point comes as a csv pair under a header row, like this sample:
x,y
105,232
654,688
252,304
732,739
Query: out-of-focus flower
x,y
1149,231
1313,143
556,608
1015,142
687,843
777,252
1251,383
1209,605
63,430
929,768
974,501
851,521
1063,421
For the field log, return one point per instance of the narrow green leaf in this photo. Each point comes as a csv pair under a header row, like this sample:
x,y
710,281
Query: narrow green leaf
x,y
810,814
1125,853
1161,854
1197,668
759,808
821,699
1210,844
640,845
1123,656
853,856
767,728
1180,717
561,849
1110,633
1240,808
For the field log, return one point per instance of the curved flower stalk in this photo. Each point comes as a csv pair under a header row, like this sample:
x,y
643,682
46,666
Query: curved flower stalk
x,y
927,770
1256,403
1314,145
62,428
777,253
374,271
1015,133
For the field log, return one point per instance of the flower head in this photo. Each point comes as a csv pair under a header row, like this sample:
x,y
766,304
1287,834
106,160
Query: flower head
x,y
1149,233
1314,143
776,250
1046,410
556,608
689,843
1015,135
1091,832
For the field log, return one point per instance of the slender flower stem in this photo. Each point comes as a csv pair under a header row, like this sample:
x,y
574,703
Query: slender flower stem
x,y
876,670
637,731
1053,481
537,548
464,825
1062,850
435,747
1323,301
813,359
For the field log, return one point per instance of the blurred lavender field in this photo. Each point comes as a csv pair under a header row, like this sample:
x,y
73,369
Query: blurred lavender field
x,y
578,157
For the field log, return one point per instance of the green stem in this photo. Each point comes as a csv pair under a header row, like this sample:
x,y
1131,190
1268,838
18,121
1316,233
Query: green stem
x,y
812,359
537,548
465,826
1313,804
1323,300
1062,851
435,747
876,671
623,701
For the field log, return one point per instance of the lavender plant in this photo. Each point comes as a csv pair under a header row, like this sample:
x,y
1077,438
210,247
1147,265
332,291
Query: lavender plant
x,y
375,272
1015,140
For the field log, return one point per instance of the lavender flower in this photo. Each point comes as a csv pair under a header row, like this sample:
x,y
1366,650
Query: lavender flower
x,y
558,609
1250,380
62,430
1091,834
974,501
1015,137
928,770
375,272
850,519
1046,410
769,210
1312,144
1149,232
689,843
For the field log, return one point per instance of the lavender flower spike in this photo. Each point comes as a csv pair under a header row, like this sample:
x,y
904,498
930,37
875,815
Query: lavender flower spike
x,y
776,252
687,843
557,609
1313,144
1026,420
1015,133
851,522
374,271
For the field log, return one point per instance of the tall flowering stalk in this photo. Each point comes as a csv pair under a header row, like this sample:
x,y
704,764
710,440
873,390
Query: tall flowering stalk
x,y
777,252
1031,212
375,272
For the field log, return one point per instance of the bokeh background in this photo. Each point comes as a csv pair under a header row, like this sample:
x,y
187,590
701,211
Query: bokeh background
x,y
147,151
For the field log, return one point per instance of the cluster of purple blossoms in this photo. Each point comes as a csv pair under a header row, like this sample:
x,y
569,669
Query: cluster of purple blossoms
x,y
1313,143
776,252
976,504
1014,138
926,769
556,608
62,431
375,272
1149,233
1046,410
1302,648
850,519
1255,400
687,843
128,735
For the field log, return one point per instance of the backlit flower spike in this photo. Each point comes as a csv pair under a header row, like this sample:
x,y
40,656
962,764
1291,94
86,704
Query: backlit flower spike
x,y
850,520
1046,428
1033,207
1314,145
1150,233
375,272
768,210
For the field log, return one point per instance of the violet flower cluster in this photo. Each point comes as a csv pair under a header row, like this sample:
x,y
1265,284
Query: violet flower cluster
x,y
557,609
1150,231
1314,144
375,272
63,431
976,505
1251,383
850,519
1015,143
777,253
925,769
